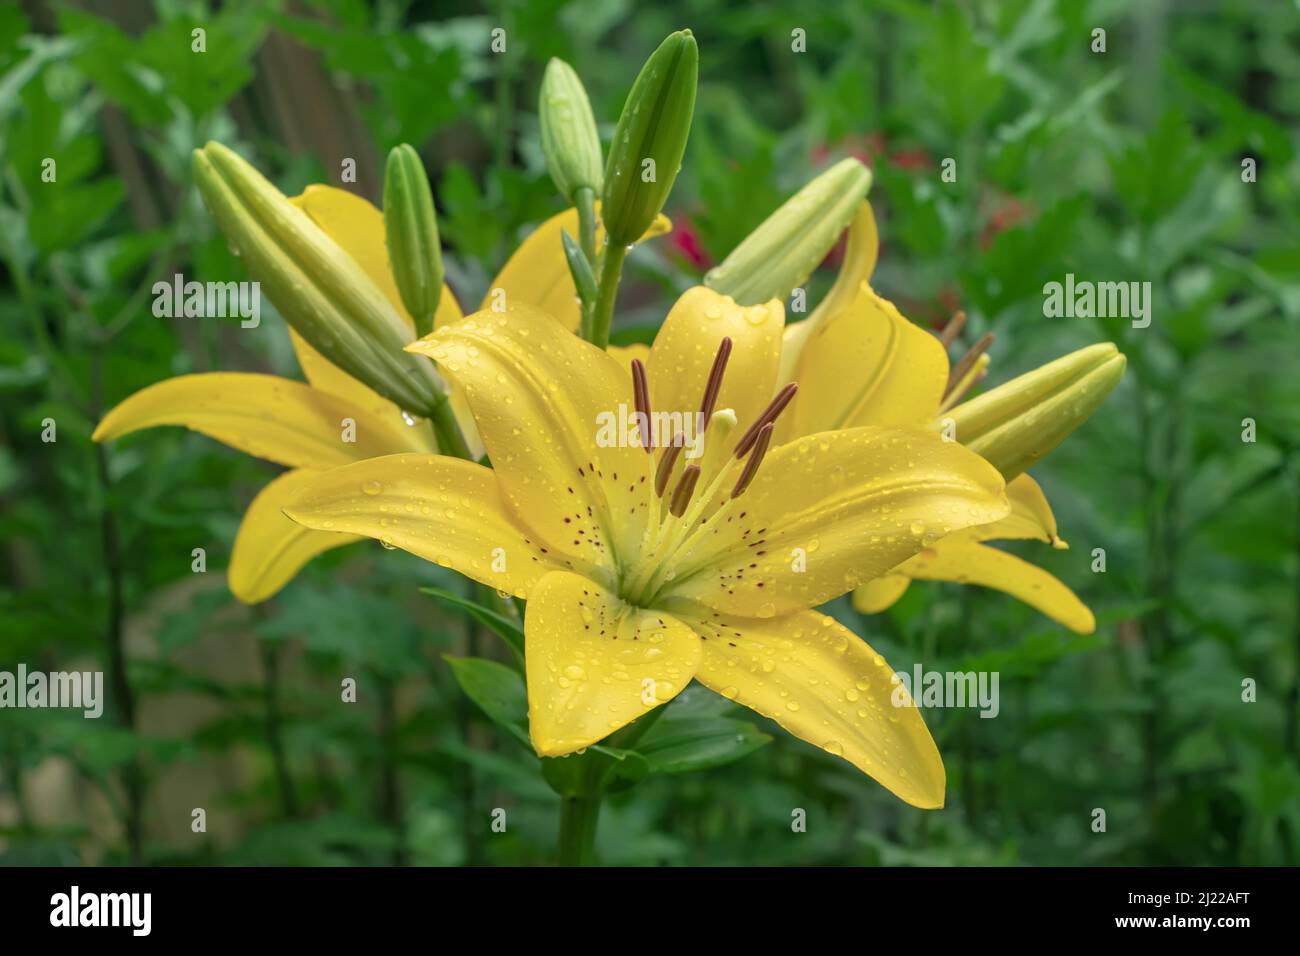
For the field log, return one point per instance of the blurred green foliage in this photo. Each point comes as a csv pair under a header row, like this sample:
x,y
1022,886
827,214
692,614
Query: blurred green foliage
x,y
1119,166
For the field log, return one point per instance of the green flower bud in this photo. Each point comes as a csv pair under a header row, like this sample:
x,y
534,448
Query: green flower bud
x,y
569,137
320,290
650,139
1017,423
782,253
411,229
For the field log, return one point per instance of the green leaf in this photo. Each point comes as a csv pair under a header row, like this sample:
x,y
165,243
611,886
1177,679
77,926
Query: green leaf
x,y
494,621
682,745
498,691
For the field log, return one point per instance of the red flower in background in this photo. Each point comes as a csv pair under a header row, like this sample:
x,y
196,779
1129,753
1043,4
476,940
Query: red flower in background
x,y
685,241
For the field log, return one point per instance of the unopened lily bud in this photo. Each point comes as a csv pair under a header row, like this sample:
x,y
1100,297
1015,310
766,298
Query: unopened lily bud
x,y
782,253
1017,423
322,292
411,229
650,139
569,138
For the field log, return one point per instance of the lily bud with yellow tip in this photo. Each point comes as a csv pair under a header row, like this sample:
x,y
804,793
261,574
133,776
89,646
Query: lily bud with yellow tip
x,y
1017,423
411,231
320,290
782,253
650,139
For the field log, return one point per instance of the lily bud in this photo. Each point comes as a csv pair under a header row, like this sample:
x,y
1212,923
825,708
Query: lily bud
x,y
782,253
411,230
320,290
650,139
1017,423
569,137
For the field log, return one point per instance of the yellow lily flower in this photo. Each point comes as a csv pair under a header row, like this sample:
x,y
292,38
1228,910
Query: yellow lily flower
x,y
643,567
860,362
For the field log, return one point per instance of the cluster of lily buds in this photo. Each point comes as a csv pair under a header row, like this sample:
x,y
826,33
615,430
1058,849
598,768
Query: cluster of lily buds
x,y
783,251
322,292
1017,423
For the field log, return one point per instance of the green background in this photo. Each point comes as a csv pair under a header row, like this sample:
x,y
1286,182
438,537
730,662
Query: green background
x,y
1117,166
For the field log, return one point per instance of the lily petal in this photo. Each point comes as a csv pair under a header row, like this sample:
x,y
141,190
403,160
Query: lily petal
x,y
867,365
880,594
270,548
825,685
537,274
1030,516
595,664
687,344
442,509
274,418
542,399
968,562
830,511
624,354
860,255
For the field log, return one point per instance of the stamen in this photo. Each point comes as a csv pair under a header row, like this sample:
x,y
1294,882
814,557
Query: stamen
x,y
714,384
685,488
964,363
666,462
952,329
751,467
641,396
972,378
766,417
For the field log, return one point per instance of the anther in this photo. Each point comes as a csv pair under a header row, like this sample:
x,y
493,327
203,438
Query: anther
x,y
714,384
766,417
952,329
966,361
641,396
751,467
685,488
666,463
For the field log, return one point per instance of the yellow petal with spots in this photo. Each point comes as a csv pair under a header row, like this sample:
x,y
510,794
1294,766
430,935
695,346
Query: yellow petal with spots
x,y
880,594
967,562
595,664
867,365
687,343
547,406
444,510
537,274
829,512
860,254
274,418
825,685
270,548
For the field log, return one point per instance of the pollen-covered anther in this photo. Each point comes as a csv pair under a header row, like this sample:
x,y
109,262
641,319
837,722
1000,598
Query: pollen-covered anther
x,y
713,386
766,417
761,444
641,396
685,488
965,363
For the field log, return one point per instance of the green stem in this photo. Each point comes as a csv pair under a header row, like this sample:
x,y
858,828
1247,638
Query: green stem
x,y
578,818
450,440
585,200
611,271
